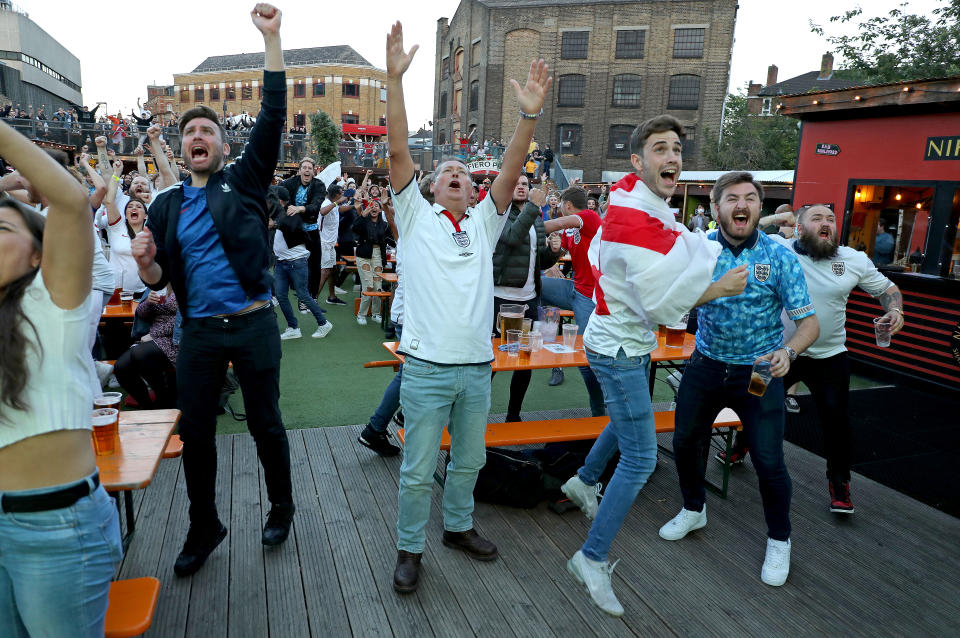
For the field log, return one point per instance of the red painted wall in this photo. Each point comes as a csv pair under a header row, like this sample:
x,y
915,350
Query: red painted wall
x,y
871,148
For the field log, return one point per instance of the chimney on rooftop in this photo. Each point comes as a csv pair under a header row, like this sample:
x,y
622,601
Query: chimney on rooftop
x,y
826,67
771,74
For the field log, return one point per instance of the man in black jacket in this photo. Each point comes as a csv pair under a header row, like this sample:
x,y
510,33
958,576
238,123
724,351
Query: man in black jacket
x,y
208,236
306,196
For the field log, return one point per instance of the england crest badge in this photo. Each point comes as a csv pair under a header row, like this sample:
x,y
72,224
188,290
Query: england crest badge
x,y
761,272
838,268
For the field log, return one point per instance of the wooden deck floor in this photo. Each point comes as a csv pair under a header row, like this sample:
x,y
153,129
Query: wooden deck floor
x,y
889,570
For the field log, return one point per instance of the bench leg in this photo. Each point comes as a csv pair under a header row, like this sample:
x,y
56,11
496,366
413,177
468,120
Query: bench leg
x,y
725,481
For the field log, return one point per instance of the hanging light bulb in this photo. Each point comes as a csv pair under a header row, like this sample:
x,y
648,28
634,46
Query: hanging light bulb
x,y
919,205
897,197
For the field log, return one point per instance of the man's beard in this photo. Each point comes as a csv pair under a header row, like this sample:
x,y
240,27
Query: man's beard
x,y
819,248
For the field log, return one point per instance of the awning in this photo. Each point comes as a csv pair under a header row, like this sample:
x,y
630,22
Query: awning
x,y
364,129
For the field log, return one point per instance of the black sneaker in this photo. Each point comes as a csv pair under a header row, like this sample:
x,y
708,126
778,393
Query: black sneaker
x,y
336,301
379,442
791,404
277,528
303,307
199,545
398,418
557,377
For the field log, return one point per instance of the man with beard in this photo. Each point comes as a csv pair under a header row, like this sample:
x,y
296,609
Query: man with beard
x,y
732,334
831,272
208,237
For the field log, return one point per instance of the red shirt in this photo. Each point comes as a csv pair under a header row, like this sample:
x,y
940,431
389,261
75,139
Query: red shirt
x,y
577,242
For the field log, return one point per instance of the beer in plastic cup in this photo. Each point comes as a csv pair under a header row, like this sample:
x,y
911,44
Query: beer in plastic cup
x,y
883,330
513,342
526,346
104,431
126,298
760,376
107,400
676,333
662,332
570,335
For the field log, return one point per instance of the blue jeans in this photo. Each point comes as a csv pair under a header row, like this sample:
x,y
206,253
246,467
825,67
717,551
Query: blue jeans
x,y
294,271
707,387
56,567
391,396
432,395
631,429
561,293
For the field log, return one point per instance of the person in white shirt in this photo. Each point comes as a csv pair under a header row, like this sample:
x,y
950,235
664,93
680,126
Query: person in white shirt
x,y
832,271
291,272
448,311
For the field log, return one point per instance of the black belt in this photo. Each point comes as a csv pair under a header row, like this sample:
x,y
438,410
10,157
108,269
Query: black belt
x,y
11,503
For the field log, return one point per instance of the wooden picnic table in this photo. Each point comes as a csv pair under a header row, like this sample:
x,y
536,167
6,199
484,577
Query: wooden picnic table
x,y
119,311
143,439
389,277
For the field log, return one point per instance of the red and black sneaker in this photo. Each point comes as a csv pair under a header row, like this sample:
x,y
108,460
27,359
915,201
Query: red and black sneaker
x,y
737,456
840,502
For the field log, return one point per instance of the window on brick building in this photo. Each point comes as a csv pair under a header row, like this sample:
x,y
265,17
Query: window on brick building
x,y
573,45
684,92
214,93
569,138
198,94
571,90
383,121
445,69
688,43
620,140
260,92
630,43
231,93
246,92
475,54
351,90
474,95
184,95
443,105
689,140
300,90
350,118
318,89
626,90
299,119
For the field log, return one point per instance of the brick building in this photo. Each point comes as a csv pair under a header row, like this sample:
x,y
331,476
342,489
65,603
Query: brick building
x,y
160,100
614,62
765,99
334,79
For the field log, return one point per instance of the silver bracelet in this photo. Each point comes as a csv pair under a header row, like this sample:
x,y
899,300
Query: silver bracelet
x,y
530,116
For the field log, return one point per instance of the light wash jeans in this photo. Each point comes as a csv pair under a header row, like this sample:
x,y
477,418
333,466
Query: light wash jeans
x,y
561,293
56,567
432,395
631,430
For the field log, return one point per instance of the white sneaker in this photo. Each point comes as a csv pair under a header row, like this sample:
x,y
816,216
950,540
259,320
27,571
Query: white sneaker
x,y
113,384
582,495
337,290
361,320
776,565
596,576
357,287
673,380
322,331
290,333
274,302
683,523
376,318
104,370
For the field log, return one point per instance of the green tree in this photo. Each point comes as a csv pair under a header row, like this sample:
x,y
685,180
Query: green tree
x,y
325,136
750,142
899,45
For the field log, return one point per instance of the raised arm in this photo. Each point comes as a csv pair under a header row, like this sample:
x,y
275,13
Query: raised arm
x,y
103,161
141,163
530,100
167,177
401,163
110,200
99,186
66,263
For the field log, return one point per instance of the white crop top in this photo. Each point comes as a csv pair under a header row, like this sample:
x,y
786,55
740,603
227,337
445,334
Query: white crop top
x,y
58,393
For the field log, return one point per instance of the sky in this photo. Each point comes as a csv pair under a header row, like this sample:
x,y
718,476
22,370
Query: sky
x,y
154,41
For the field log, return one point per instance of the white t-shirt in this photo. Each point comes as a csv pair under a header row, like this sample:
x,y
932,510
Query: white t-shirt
x,y
830,282
396,306
121,258
285,253
529,290
104,279
447,279
329,223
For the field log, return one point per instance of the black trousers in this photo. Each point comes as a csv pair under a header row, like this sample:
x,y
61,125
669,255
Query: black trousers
x,y
829,383
252,343
144,361
313,263
520,380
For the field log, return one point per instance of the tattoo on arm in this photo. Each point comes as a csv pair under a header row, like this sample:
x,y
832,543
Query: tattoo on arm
x,y
891,299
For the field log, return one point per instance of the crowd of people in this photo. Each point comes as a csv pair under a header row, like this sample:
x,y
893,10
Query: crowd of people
x,y
211,247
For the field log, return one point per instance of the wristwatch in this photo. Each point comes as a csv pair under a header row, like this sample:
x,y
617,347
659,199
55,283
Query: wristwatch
x,y
790,352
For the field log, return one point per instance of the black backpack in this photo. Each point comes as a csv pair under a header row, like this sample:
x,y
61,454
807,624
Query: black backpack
x,y
508,478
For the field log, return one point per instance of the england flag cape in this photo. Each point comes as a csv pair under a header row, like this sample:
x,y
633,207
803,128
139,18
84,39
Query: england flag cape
x,y
649,268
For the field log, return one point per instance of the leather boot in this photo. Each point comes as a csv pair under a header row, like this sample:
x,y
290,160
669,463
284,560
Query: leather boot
x,y
407,573
471,543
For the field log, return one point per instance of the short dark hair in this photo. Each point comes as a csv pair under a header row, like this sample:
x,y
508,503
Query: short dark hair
x,y
333,190
576,196
733,178
201,111
658,124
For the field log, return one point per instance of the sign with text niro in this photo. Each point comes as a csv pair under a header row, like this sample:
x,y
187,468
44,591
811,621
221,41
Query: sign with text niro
x,y
942,148
827,149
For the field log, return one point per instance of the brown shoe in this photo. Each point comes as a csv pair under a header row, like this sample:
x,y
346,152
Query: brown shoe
x,y
471,543
407,572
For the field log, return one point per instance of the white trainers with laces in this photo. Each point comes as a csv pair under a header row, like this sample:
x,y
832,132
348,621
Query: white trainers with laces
x,y
596,576
582,495
337,290
376,318
322,331
683,523
776,565
361,320
104,370
290,333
